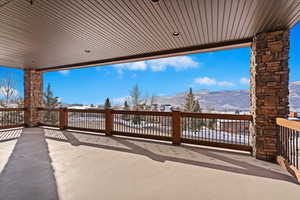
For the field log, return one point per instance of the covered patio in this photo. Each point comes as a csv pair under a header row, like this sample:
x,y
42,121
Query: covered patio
x,y
92,154
54,164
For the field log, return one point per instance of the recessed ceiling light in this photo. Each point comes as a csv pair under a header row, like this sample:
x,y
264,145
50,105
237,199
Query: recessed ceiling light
x,y
175,34
87,51
155,1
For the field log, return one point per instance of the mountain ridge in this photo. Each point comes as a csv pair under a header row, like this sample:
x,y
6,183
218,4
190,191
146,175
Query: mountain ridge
x,y
227,100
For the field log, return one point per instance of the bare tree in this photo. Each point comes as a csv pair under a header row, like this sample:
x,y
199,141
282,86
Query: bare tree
x,y
19,101
146,98
135,96
8,89
152,99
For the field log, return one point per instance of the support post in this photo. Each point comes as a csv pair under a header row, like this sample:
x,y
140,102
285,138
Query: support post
x,y
33,96
269,90
63,118
176,128
108,122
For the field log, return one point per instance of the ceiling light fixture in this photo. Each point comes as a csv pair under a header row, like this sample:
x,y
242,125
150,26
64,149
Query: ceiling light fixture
x,y
175,34
31,1
87,51
155,1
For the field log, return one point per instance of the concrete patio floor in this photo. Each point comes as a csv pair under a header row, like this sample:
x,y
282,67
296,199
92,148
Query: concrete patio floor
x,y
46,164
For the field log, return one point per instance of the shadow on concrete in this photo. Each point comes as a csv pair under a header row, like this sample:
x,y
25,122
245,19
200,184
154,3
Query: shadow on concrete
x,y
10,134
230,161
28,174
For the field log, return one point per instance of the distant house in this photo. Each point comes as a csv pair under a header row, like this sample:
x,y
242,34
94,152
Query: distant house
x,y
294,116
165,107
79,107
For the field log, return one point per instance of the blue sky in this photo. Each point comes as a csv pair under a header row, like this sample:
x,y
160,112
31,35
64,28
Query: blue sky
x,y
221,70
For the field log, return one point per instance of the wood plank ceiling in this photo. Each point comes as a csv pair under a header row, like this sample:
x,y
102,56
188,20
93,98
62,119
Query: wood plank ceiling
x,y
55,34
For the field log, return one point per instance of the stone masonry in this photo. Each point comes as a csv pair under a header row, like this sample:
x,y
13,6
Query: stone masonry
x,y
269,89
33,96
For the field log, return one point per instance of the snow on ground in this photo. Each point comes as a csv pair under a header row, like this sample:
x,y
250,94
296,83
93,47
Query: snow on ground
x,y
217,135
204,133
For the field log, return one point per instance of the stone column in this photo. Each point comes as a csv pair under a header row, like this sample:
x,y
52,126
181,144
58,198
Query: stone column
x,y
33,96
269,90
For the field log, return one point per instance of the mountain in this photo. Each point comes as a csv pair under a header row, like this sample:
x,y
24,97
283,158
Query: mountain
x,y
295,96
227,100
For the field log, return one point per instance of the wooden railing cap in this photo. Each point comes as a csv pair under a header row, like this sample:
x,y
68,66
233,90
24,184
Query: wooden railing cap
x,y
294,125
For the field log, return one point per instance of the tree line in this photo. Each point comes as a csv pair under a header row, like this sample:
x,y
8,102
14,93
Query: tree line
x,y
136,102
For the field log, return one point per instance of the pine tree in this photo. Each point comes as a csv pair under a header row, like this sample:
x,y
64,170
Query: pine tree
x,y
197,106
107,104
50,102
126,106
191,104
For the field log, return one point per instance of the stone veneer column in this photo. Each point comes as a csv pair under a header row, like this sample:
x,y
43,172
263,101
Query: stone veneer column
x,y
269,90
33,96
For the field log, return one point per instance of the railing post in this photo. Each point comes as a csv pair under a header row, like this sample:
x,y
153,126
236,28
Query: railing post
x,y
108,122
63,118
176,128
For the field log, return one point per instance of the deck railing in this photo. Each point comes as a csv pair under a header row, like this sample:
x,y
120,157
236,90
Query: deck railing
x,y
93,120
146,124
289,141
288,146
49,116
224,130
11,117
219,130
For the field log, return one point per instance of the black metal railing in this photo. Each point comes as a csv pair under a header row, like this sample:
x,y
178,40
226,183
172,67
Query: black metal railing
x,y
86,119
11,117
143,123
49,116
219,130
289,141
233,129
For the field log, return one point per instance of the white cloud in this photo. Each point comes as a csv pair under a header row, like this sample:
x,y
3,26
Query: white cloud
x,y
64,72
179,63
211,81
205,81
133,66
3,92
244,81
